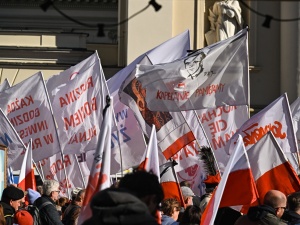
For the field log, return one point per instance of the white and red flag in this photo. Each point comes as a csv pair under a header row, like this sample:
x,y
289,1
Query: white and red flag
x,y
172,131
151,162
77,104
99,178
230,192
270,167
27,106
216,75
295,111
169,182
276,117
26,177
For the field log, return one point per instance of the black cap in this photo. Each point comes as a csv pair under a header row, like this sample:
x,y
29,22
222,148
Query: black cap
x,y
13,193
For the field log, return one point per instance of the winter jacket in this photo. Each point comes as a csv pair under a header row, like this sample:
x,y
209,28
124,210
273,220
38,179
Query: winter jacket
x,y
292,217
8,212
167,220
48,214
260,215
118,207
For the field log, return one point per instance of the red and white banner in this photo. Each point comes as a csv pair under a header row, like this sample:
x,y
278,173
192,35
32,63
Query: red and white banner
x,y
220,124
276,117
26,105
26,177
214,76
270,167
10,138
4,85
99,178
78,97
74,175
230,192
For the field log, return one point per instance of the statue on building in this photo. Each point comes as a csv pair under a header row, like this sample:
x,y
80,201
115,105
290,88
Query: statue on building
x,y
225,20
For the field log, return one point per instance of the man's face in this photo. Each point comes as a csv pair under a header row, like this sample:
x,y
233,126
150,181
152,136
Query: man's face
x,y
15,204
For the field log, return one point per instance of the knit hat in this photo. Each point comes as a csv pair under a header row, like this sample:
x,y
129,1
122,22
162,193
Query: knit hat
x,y
32,195
186,191
12,193
23,217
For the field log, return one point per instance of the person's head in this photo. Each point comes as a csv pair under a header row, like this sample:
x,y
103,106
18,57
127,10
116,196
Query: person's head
x,y
188,195
32,195
277,200
293,202
193,64
51,189
75,192
80,197
185,183
23,217
145,186
170,207
13,196
39,189
62,201
191,215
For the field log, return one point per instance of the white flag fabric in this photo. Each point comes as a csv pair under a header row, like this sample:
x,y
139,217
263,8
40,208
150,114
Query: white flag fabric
x,y
27,106
151,162
270,167
220,124
230,192
214,76
10,138
4,85
77,104
295,111
26,177
276,117
173,133
53,169
99,178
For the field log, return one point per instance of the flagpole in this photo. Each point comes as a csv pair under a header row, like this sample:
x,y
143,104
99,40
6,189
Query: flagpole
x,y
174,163
83,181
36,168
43,178
205,135
115,123
61,153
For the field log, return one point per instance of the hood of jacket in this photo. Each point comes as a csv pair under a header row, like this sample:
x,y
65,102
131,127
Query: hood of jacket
x,y
258,212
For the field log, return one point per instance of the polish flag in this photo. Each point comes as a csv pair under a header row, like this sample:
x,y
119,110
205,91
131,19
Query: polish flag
x,y
270,167
230,192
151,162
99,178
169,182
27,178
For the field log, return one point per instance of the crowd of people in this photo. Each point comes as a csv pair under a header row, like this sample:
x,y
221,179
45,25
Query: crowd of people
x,y
137,199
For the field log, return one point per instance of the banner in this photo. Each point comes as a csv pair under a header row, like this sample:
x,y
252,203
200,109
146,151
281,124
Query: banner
x,y
26,105
214,76
78,97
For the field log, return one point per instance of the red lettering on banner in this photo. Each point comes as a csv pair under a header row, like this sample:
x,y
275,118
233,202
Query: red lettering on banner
x,y
64,185
213,113
83,136
58,165
220,142
187,150
75,94
19,104
25,117
172,96
210,89
33,129
217,126
78,117
254,133
36,143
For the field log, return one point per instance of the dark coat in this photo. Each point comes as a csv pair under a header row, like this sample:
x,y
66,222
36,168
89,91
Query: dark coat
x,y
292,217
71,214
260,215
48,214
8,213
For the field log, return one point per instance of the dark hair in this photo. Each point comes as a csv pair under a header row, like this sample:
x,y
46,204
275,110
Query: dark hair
x,y
293,201
185,183
168,205
142,183
191,215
